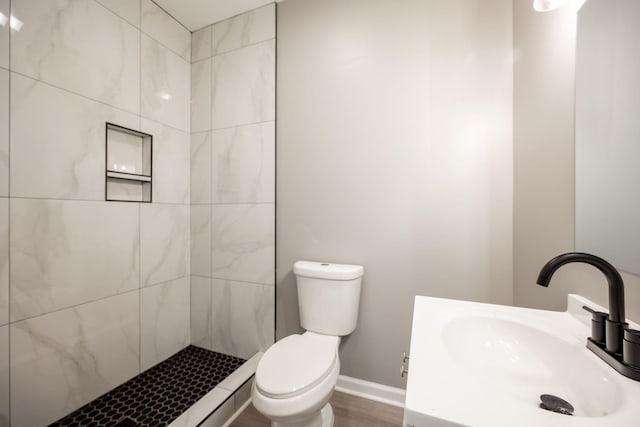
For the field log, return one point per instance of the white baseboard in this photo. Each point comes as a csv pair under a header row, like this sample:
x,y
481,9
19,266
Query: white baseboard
x,y
372,391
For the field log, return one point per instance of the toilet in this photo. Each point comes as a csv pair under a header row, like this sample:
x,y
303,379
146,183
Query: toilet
x,y
296,376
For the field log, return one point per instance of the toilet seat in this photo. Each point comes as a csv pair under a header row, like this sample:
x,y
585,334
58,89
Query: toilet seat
x,y
294,365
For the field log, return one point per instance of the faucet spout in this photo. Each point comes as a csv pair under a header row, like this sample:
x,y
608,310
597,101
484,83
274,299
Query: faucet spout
x,y
616,285
611,339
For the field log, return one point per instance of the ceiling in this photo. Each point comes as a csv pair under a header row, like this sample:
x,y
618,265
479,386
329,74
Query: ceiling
x,y
196,14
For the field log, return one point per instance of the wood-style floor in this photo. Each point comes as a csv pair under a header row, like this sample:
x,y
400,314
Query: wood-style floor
x,y
350,411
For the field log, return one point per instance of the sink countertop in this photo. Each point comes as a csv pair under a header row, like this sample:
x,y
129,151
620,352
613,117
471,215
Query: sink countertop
x,y
485,365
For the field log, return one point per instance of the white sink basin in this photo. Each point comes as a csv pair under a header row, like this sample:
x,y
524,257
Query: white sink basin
x,y
476,364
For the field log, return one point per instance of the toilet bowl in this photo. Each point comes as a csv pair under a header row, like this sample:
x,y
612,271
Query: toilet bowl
x,y
296,376
295,379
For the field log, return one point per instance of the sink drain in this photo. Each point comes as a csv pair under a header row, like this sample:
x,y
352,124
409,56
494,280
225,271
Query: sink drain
x,y
555,404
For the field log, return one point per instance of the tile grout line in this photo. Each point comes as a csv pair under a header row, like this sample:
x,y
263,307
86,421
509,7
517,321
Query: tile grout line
x,y
211,315
190,244
211,96
9,281
266,285
91,301
117,15
172,17
137,114
139,288
241,47
166,47
235,16
238,126
139,26
235,49
150,195
231,203
212,92
74,93
275,173
97,201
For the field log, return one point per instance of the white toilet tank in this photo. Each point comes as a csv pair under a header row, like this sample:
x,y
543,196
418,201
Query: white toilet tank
x,y
328,296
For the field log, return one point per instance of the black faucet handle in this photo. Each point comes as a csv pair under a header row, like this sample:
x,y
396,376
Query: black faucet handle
x,y
597,316
598,319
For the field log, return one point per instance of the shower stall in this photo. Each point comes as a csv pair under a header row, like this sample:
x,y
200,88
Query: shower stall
x,y
137,212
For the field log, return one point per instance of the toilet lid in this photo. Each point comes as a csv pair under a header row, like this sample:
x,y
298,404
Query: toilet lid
x,y
293,365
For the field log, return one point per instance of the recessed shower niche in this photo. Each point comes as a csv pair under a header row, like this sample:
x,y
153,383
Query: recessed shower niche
x,y
129,164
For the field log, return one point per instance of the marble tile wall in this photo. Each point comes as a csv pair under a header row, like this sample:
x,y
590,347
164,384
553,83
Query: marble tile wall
x,y
129,10
165,29
91,292
65,253
243,30
165,320
165,85
231,317
242,317
242,242
4,130
4,261
201,96
57,45
65,152
201,240
201,168
164,240
233,183
171,162
201,307
242,82
64,359
4,35
201,44
243,164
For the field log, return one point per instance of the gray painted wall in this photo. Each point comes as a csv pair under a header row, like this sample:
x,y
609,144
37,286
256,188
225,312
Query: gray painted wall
x,y
544,105
394,151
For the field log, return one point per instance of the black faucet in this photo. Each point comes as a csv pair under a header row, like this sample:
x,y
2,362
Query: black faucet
x,y
606,342
616,285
